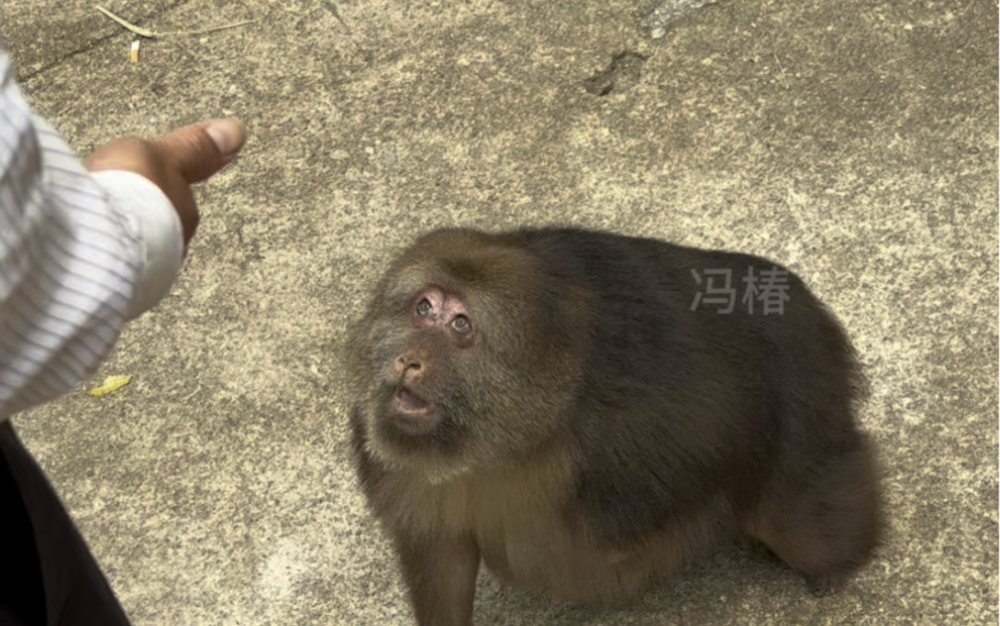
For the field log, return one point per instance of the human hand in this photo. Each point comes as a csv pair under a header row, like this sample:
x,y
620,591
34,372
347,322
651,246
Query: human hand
x,y
175,161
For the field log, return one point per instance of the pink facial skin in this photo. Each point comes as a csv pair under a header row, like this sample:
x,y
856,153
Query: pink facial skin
x,y
414,369
435,308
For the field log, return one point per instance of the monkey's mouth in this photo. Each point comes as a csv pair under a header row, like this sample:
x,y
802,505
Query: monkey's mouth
x,y
414,415
410,402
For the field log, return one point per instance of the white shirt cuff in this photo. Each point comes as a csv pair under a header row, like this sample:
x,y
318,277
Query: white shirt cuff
x,y
159,227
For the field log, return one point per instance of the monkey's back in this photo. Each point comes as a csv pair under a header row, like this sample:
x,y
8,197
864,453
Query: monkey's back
x,y
694,419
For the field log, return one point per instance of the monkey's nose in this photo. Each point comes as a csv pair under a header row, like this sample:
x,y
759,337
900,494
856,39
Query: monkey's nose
x,y
408,363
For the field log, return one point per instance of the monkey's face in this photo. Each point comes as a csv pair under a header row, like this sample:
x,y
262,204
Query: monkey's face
x,y
467,358
420,395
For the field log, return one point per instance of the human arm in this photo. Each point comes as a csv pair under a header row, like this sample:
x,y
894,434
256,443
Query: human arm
x,y
82,253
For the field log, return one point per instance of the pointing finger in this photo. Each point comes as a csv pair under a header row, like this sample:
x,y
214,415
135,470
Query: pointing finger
x,y
200,150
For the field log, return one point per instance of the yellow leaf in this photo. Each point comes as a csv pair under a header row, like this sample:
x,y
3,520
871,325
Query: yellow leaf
x,y
111,384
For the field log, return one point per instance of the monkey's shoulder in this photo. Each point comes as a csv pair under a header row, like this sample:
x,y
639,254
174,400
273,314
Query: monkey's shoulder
x,y
636,275
601,246
659,302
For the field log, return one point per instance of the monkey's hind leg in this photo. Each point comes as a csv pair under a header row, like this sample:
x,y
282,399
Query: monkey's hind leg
x,y
822,517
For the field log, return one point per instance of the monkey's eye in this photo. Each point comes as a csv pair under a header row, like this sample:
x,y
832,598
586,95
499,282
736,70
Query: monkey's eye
x,y
424,308
461,324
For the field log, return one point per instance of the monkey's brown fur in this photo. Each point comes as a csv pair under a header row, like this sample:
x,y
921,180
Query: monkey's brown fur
x,y
549,401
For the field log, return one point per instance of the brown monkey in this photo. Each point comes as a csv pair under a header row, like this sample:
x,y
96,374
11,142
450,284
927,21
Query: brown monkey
x,y
565,406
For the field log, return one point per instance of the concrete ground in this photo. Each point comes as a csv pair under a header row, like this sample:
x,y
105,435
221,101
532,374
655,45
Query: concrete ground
x,y
855,142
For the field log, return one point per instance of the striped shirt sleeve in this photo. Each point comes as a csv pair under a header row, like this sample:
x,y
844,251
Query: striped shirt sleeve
x,y
79,255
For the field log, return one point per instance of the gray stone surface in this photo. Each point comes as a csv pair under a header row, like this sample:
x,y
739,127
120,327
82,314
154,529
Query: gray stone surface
x,y
855,143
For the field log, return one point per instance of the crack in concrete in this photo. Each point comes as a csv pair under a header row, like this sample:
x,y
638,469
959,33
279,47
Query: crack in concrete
x,y
90,45
28,75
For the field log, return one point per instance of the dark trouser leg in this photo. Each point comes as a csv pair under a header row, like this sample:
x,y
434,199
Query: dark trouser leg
x,y
47,575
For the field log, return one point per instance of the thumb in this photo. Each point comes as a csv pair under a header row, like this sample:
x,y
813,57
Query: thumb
x,y
200,150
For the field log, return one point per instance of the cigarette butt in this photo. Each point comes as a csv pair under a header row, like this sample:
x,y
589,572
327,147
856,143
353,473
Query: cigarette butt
x,y
134,51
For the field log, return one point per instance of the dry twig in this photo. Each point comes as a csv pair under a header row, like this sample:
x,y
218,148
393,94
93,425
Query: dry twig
x,y
142,32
